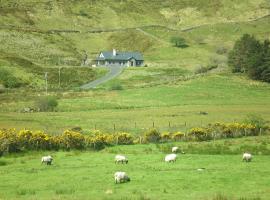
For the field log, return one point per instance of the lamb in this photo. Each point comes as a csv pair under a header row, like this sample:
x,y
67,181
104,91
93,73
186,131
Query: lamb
x,y
121,159
247,157
170,158
121,177
47,160
175,149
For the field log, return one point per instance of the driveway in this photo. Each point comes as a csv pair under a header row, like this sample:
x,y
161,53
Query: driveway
x,y
114,72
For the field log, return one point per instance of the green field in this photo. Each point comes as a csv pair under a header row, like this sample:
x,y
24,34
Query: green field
x,y
170,93
89,175
225,98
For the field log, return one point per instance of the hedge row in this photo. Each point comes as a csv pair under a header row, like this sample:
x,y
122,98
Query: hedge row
x,y
16,141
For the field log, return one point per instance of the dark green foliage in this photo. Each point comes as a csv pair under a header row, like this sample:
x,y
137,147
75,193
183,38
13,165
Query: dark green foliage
x,y
179,42
252,57
116,86
48,103
8,80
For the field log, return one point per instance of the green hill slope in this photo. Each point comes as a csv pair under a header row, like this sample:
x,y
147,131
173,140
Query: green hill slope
x,y
37,36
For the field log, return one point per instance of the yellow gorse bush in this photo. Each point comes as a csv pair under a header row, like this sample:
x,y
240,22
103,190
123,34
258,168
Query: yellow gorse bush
x,y
15,141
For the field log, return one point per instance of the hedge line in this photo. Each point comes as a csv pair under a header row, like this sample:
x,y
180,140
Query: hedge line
x,y
16,141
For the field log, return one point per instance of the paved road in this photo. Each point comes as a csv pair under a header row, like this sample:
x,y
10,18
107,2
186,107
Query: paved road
x,y
114,72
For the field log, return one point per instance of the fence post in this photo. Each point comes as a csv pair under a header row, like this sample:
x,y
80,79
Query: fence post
x,y
114,127
153,124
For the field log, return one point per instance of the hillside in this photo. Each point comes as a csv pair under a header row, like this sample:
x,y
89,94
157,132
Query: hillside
x,y
37,36
45,36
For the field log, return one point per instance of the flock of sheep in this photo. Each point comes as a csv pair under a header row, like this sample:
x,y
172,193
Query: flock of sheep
x,y
121,177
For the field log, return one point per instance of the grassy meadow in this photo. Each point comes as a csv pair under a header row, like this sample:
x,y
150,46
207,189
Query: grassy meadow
x,y
89,175
225,98
169,93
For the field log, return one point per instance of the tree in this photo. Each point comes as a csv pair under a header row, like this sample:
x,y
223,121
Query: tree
x,y
179,42
246,53
252,57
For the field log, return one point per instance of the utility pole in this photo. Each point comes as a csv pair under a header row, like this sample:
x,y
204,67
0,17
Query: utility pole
x,y
59,77
46,82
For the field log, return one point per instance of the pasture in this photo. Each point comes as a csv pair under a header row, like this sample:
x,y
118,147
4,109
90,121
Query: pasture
x,y
89,175
225,97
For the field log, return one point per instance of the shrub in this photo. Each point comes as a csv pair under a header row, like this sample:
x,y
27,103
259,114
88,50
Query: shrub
x,y
48,103
124,138
165,137
116,86
221,50
179,42
72,140
256,121
178,136
152,136
8,80
200,134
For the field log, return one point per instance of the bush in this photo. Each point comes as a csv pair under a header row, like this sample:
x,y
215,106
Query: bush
x,y
256,121
165,137
200,134
179,42
152,136
124,138
48,103
221,50
116,86
72,140
178,136
202,69
8,80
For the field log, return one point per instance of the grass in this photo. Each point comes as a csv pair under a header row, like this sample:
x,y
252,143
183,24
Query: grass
x,y
82,175
225,98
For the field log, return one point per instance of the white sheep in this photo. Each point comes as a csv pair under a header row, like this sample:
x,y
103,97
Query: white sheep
x,y
121,177
121,159
47,160
247,157
170,158
175,149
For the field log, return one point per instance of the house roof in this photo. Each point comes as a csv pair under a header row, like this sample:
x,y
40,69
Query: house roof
x,y
108,55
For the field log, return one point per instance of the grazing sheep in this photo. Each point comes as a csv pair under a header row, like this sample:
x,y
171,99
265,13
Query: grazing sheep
x,y
170,158
175,149
247,157
121,159
47,160
121,177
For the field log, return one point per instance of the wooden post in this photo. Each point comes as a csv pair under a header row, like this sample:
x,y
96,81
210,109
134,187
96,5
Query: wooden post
x,y
114,127
153,124
260,131
169,124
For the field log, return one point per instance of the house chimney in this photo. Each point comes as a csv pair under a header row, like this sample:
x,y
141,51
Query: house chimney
x,y
114,52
